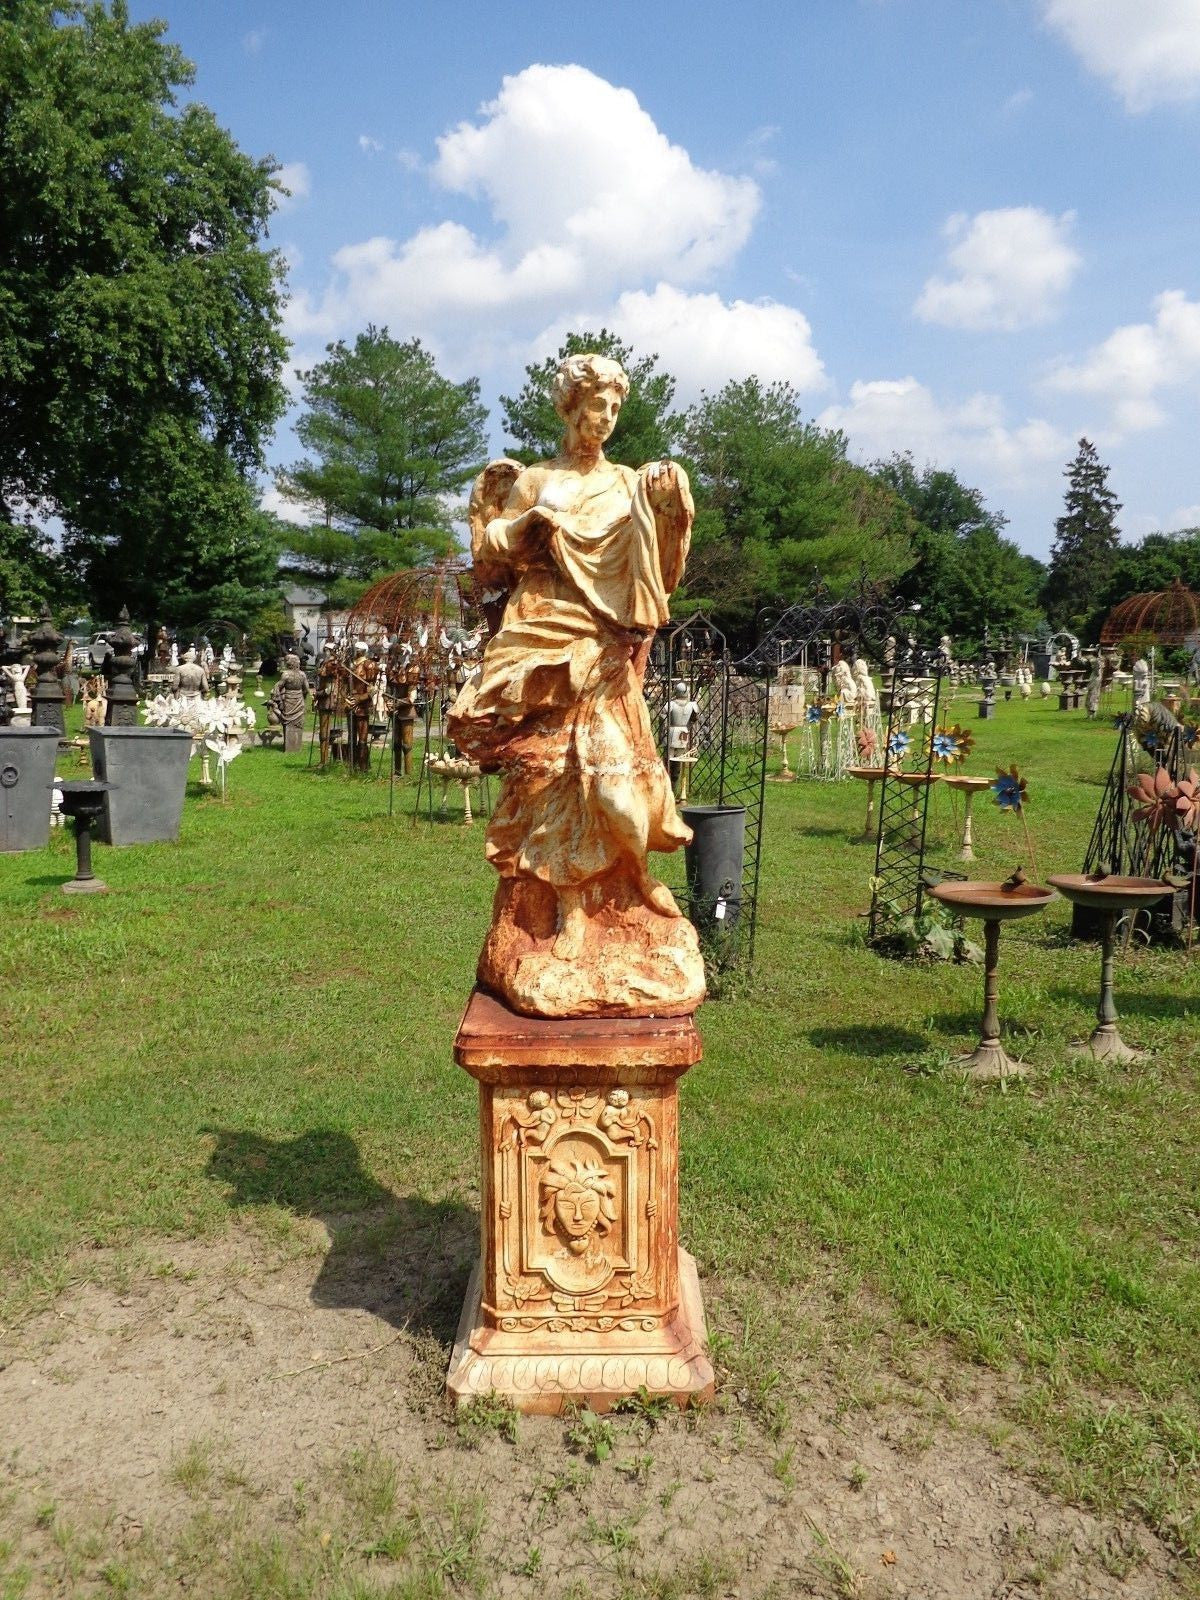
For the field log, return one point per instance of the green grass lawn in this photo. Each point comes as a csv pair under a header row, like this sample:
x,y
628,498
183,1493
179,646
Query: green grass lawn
x,y
293,970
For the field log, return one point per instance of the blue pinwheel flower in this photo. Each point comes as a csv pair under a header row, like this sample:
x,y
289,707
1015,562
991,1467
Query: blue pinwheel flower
x,y
839,709
945,747
1009,789
898,743
813,714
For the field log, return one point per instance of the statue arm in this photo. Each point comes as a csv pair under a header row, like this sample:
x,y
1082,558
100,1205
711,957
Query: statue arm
x,y
670,497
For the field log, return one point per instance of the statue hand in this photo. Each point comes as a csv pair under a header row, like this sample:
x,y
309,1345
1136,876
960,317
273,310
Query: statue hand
x,y
662,485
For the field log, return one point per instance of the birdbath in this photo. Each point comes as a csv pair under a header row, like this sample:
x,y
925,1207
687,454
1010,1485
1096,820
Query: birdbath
x,y
1111,897
968,787
83,799
870,776
989,1062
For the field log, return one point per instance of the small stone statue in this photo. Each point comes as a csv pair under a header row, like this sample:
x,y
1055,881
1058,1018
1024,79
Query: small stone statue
x,y
287,703
1141,682
191,680
868,695
889,653
843,683
174,657
17,673
1095,684
946,651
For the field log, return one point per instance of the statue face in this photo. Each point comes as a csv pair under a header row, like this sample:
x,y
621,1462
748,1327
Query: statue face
x,y
594,411
576,1210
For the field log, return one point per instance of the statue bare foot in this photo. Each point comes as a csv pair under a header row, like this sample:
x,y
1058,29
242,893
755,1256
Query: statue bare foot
x,y
659,898
572,927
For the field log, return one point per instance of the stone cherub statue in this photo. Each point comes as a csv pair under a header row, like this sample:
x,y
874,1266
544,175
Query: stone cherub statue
x,y
586,554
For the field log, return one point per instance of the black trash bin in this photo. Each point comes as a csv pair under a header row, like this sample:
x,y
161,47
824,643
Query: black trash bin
x,y
714,865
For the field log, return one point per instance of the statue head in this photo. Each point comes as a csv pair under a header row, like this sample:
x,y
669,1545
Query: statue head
x,y
588,392
291,662
189,655
679,689
578,1200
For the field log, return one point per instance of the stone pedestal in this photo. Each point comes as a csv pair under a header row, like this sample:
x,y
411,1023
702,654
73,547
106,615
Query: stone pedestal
x,y
582,1293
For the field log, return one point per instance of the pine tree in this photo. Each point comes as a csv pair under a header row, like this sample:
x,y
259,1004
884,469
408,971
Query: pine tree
x,y
1086,537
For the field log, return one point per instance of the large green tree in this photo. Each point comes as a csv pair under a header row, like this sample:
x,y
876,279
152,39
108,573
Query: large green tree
x,y
646,430
777,501
140,346
390,440
30,569
1086,538
965,573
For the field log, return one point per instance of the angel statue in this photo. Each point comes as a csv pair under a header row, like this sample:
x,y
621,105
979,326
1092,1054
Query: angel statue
x,y
577,558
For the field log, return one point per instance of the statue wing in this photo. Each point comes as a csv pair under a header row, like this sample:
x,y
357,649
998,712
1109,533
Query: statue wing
x,y
489,495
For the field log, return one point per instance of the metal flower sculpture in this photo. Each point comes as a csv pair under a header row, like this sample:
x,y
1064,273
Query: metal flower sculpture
x,y
951,744
868,743
1154,795
899,744
1009,790
813,712
1187,801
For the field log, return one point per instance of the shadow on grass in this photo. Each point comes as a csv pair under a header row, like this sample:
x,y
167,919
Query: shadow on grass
x,y
1162,1007
402,1258
861,1039
46,881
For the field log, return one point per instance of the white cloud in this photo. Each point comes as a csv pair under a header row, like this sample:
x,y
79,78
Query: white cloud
x,y
588,198
369,145
1129,368
1148,50
1017,101
1010,268
253,41
299,514
885,415
704,341
1183,517
409,160
293,176
564,157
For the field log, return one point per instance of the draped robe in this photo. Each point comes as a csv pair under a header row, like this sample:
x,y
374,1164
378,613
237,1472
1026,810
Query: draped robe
x,y
558,705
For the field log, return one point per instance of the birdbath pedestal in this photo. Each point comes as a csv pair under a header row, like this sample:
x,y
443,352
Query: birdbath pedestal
x,y
968,787
870,776
995,903
1111,896
83,799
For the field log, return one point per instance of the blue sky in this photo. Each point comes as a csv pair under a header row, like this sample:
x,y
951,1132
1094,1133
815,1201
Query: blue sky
x,y
970,228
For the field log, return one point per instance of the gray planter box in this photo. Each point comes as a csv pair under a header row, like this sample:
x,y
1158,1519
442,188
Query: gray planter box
x,y
26,779
148,770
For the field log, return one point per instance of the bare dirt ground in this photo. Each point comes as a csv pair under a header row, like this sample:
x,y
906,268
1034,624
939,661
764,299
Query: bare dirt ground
x,y
258,1414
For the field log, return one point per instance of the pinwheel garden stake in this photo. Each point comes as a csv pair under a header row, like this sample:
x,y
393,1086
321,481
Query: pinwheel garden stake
x,y
1009,790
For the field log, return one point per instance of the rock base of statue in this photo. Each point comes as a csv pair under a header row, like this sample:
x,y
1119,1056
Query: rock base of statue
x,y
293,737
581,1294
630,961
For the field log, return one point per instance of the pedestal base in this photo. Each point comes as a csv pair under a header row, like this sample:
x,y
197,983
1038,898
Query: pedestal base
x,y
582,1294
989,1062
1106,1044
543,1374
85,886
